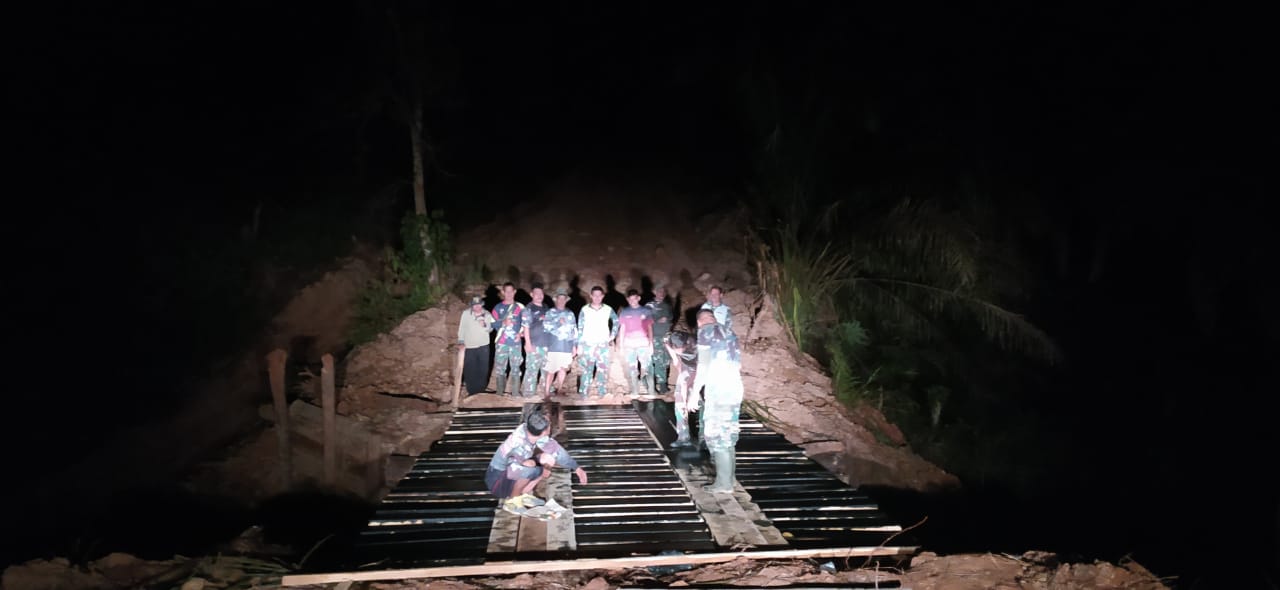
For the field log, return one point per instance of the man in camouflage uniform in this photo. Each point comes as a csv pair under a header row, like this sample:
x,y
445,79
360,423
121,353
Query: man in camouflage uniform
x,y
561,328
714,302
636,340
663,317
682,346
597,329
508,316
536,340
719,371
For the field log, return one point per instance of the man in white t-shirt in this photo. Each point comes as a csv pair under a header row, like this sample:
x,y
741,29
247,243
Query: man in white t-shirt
x,y
597,328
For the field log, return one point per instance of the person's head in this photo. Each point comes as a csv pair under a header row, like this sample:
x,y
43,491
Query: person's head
x,y
562,297
713,295
535,292
597,295
508,292
705,317
477,304
678,339
633,298
659,293
535,427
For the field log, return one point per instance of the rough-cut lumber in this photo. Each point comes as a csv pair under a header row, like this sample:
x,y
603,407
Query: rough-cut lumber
x,y
518,567
329,405
275,370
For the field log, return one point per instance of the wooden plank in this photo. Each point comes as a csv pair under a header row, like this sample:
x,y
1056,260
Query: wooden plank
x,y
561,532
503,535
517,567
532,535
284,455
330,428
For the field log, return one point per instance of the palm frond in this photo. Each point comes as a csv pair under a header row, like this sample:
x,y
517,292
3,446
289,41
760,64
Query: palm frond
x,y
1009,330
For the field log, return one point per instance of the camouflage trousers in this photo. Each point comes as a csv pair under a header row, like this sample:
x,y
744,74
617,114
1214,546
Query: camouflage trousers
x,y
507,355
593,361
684,387
720,424
661,363
533,364
639,360
682,424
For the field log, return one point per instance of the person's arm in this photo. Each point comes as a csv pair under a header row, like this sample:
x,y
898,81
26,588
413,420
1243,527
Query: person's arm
x,y
461,319
728,318
526,319
582,327
704,362
521,466
613,320
562,457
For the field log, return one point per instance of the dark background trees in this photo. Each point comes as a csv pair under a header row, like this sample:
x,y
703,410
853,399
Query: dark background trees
x,y
1101,172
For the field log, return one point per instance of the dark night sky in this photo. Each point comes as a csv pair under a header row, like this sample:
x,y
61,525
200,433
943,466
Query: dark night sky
x,y
146,133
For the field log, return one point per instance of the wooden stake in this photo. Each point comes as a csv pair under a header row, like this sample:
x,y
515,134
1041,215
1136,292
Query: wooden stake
x,y
516,567
457,377
275,370
330,420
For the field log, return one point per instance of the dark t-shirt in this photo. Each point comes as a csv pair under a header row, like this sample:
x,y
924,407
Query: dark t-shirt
x,y
532,317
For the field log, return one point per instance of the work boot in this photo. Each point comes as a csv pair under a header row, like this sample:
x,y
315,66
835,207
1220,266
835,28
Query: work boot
x,y
635,386
723,484
502,384
515,385
681,441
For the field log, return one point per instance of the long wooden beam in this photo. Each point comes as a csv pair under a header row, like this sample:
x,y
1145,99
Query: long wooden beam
x,y
518,567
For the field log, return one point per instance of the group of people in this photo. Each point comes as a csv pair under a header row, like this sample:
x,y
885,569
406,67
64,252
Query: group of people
x,y
706,362
535,344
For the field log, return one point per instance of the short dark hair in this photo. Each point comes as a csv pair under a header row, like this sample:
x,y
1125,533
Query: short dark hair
x,y
631,292
704,311
536,286
508,284
597,288
536,423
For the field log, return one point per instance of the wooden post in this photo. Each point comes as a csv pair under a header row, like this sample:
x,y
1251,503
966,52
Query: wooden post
x,y
330,420
457,376
275,370
375,475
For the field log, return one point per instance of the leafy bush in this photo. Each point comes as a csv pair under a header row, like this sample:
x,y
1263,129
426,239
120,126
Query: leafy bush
x,y
413,277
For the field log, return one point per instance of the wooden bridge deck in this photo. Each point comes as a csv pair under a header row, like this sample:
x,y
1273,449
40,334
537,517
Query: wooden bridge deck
x,y
643,499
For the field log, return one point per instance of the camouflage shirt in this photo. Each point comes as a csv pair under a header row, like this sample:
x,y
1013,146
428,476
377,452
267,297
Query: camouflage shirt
x,y
719,363
663,317
509,320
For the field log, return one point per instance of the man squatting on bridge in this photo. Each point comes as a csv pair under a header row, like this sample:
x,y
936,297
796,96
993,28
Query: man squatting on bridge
x,y
523,460
719,370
